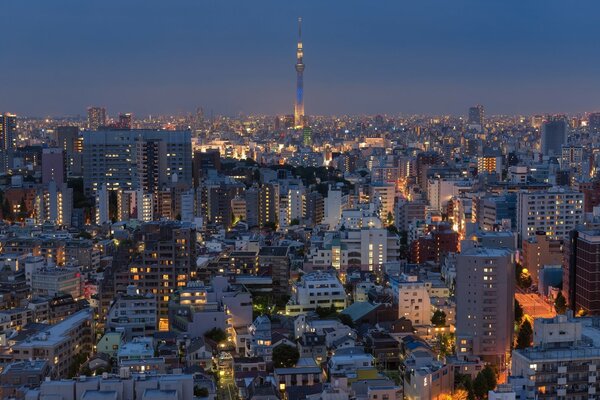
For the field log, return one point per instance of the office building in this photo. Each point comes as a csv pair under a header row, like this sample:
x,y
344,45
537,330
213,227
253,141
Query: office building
x,y
53,166
96,118
476,116
69,140
485,278
555,212
130,159
581,265
554,136
8,132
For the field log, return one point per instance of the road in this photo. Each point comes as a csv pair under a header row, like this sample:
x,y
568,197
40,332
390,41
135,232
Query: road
x,y
227,389
534,305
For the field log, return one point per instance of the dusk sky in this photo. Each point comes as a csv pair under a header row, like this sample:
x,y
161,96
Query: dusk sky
x,y
362,57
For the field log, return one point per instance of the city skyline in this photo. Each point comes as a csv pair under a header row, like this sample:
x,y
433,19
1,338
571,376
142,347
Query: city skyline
x,y
431,57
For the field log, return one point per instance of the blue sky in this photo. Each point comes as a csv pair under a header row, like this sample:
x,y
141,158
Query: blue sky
x,y
361,56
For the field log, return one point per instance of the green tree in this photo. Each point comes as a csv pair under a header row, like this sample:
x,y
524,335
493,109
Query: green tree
x,y
484,382
216,334
270,225
285,356
295,221
525,336
560,303
446,344
390,218
346,320
463,382
518,312
200,391
439,318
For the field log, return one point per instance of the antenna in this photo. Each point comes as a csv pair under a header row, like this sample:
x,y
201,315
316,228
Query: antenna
x,y
300,28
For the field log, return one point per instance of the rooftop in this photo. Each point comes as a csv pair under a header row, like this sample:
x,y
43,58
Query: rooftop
x,y
56,333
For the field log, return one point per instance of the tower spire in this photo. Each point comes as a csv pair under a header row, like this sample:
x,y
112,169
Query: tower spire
x,y
299,105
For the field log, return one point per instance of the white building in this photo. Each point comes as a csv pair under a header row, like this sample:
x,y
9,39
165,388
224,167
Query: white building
x,y
563,361
555,212
133,313
333,207
384,194
316,289
102,216
413,300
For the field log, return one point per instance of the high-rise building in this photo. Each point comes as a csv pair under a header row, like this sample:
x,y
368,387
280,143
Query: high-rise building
x,y
476,115
594,121
299,120
485,309
425,161
96,117
554,136
563,361
8,132
581,266
164,264
53,166
262,204
68,139
541,250
205,161
555,212
125,121
315,208
117,157
572,158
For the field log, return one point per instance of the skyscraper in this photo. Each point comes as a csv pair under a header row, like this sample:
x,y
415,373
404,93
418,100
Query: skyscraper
x,y
115,157
554,136
96,117
299,107
485,310
8,131
581,269
476,115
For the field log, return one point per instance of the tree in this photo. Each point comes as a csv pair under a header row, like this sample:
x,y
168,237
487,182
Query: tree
x,y
390,218
295,221
270,225
525,336
464,386
200,391
560,303
439,318
518,312
285,356
524,280
346,320
446,344
216,335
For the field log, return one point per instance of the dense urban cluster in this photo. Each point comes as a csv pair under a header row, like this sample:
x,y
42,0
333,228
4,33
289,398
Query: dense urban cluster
x,y
256,257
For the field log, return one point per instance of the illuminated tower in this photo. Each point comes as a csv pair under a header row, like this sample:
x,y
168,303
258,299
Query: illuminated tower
x,y
299,107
